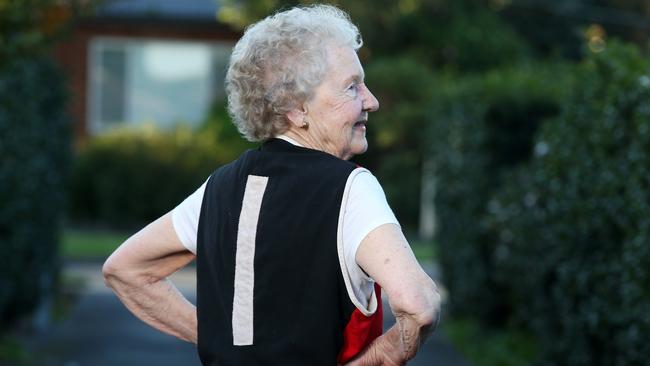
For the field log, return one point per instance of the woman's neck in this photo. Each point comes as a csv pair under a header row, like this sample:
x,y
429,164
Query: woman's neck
x,y
305,139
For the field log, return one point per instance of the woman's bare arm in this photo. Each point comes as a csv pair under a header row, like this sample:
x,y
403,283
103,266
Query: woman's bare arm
x,y
137,272
386,256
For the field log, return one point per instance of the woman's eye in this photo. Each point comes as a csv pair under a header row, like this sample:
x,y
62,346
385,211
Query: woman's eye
x,y
353,88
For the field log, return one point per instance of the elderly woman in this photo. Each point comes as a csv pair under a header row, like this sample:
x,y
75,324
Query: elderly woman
x,y
292,241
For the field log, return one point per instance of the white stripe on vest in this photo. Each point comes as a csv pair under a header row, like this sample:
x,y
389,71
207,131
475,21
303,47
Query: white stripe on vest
x,y
242,307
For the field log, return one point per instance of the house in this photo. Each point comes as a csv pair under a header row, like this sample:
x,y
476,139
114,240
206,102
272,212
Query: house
x,y
137,61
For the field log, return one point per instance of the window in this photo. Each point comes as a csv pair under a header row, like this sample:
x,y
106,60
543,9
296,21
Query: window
x,y
151,81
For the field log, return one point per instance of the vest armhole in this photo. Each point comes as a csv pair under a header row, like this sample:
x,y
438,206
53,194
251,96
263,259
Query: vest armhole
x,y
345,271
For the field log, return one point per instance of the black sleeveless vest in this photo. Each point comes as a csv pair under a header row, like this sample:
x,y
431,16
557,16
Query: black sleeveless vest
x,y
300,305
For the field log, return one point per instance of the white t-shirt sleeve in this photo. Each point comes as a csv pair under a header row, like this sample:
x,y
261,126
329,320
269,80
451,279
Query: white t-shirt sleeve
x,y
366,209
185,218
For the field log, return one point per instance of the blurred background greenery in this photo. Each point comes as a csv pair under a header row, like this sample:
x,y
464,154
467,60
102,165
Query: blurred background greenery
x,y
513,143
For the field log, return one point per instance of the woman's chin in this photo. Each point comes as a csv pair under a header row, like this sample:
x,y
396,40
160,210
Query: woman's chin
x,y
360,147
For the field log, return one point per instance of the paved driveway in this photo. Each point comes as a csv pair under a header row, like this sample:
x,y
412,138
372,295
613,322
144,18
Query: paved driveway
x,y
101,332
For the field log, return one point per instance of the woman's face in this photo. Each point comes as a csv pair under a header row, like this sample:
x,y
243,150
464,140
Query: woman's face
x,y
338,111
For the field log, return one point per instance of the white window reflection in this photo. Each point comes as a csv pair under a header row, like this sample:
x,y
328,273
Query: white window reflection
x,y
150,81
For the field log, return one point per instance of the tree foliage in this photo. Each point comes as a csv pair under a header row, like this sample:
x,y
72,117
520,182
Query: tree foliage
x,y
27,27
465,35
559,27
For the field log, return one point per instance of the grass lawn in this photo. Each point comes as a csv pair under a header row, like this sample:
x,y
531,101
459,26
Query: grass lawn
x,y
90,244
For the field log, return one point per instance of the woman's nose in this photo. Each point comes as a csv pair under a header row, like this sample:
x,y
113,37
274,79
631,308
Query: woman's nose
x,y
370,103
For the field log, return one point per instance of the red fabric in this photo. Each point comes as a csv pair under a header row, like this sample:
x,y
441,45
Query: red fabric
x,y
361,330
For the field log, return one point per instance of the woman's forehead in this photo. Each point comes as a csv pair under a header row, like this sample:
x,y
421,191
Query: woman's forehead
x,y
344,65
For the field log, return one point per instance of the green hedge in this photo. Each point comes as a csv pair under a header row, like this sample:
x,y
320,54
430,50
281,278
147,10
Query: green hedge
x,y
35,154
128,177
573,226
482,128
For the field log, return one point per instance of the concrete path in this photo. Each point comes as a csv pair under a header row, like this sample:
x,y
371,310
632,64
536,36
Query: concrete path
x,y
101,332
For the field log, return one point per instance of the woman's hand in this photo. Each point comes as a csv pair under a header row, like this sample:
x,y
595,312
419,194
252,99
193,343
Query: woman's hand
x,y
382,351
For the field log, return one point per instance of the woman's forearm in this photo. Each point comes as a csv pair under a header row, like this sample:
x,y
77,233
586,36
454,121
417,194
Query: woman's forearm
x,y
158,303
137,272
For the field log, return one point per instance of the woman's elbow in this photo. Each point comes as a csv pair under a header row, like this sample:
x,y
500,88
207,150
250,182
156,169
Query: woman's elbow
x,y
428,312
110,272
117,270
423,305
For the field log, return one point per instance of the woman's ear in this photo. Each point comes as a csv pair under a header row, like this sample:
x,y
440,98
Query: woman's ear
x,y
297,117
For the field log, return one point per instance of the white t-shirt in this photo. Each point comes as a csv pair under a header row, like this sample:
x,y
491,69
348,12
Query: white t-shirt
x,y
366,209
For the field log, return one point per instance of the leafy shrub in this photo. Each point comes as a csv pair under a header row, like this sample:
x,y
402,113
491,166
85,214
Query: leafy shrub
x,y
128,177
35,155
482,128
573,227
